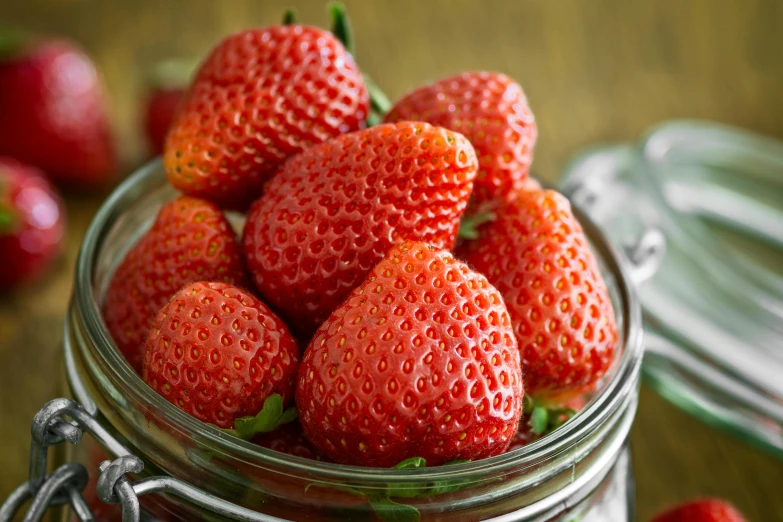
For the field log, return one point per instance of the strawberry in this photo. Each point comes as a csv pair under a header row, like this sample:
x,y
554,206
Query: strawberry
x,y
218,353
529,184
538,257
332,212
491,110
289,439
703,510
167,86
31,223
420,361
261,96
53,112
190,241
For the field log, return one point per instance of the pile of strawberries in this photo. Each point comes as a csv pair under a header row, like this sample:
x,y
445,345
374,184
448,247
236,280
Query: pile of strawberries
x,y
402,286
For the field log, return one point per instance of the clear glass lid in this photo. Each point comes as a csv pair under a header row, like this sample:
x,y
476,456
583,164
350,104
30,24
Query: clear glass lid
x,y
714,308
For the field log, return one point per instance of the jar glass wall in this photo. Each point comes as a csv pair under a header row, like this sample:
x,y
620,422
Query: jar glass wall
x,y
580,470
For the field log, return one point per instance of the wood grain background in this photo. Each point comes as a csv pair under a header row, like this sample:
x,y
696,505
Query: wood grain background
x,y
595,71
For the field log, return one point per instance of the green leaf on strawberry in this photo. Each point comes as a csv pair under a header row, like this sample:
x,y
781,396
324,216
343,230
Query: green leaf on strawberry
x,y
341,28
379,102
336,487
469,225
409,490
341,25
448,486
289,17
12,41
8,219
271,416
545,418
413,462
391,511
539,420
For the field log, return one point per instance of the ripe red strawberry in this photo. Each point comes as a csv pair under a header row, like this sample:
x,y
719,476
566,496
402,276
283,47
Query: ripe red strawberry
x,y
529,184
420,361
190,241
261,96
703,510
31,223
491,110
333,211
218,352
289,438
167,86
538,257
53,112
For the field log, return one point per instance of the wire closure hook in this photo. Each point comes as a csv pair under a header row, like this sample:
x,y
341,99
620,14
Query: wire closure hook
x,y
66,483
114,488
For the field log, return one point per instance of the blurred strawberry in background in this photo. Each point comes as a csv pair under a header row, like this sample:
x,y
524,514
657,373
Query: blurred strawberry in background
x,y
701,510
52,111
167,84
31,223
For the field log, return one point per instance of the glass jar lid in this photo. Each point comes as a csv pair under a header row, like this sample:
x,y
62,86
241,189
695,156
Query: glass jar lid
x,y
714,309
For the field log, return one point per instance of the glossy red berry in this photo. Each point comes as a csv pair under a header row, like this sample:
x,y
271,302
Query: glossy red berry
x,y
703,510
32,223
491,110
261,96
53,113
191,240
333,212
537,256
217,353
420,361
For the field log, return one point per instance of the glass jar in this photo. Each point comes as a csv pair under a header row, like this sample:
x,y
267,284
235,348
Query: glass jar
x,y
581,471
713,311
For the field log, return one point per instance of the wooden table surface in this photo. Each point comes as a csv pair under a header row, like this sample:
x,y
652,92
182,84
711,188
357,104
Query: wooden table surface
x,y
594,71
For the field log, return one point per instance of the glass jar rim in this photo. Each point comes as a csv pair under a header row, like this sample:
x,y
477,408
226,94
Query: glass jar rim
x,y
619,386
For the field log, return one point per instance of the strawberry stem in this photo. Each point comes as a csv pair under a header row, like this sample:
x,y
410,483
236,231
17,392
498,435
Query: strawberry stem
x,y
289,17
268,419
342,29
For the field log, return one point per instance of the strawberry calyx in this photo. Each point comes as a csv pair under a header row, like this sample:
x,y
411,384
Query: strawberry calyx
x,y
543,418
12,42
390,511
173,73
271,416
469,225
289,17
8,216
342,29
8,219
341,25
